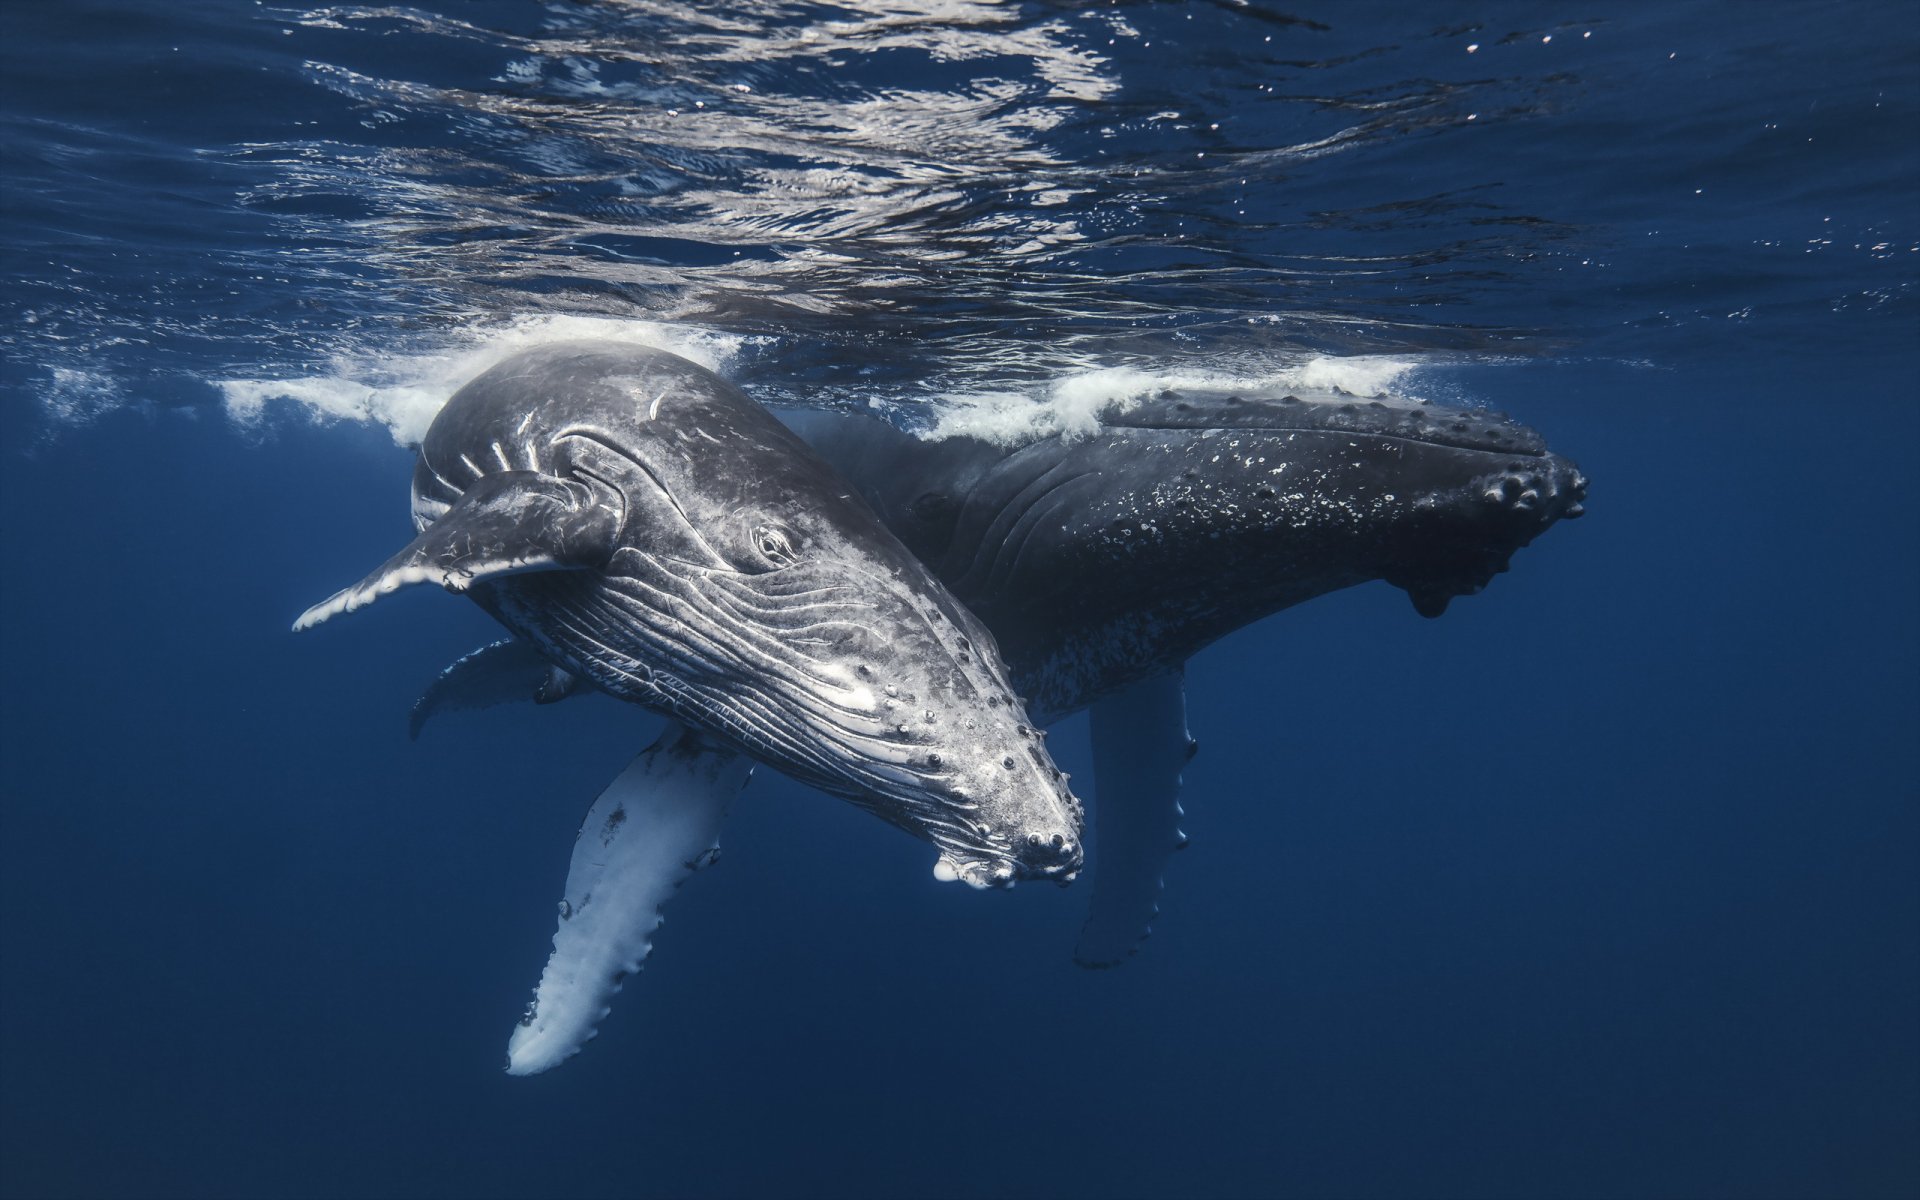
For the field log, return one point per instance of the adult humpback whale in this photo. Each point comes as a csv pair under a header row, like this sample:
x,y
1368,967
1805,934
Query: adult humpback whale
x,y
649,529
1103,562
1105,558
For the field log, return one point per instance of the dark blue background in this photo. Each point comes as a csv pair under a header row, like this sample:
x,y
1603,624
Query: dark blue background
x,y
1604,884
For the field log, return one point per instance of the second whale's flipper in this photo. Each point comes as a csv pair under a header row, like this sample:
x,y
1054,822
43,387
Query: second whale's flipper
x,y
505,523
655,825
1140,746
502,672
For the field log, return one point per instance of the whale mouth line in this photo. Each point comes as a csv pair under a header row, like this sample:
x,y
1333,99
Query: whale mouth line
x,y
990,863
989,874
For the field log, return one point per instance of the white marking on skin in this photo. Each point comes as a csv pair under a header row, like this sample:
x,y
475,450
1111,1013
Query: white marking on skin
x,y
501,454
477,472
653,410
834,684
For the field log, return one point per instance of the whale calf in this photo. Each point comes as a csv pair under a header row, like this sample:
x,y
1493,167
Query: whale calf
x,y
645,528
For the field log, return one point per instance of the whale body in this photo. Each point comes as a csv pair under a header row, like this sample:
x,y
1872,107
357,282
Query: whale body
x,y
1103,561
645,528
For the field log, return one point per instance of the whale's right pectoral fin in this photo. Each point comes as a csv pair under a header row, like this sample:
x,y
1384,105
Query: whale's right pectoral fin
x,y
506,523
654,826
1140,747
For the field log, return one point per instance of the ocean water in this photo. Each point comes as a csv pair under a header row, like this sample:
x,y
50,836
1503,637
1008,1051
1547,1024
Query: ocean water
x,y
1607,883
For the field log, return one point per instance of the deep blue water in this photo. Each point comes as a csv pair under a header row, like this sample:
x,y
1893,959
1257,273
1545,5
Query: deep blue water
x,y
1605,884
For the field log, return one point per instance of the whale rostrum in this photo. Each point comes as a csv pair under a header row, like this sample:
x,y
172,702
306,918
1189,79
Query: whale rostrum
x,y
648,529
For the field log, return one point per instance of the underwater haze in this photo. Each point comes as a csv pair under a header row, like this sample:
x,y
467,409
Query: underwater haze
x,y
1604,884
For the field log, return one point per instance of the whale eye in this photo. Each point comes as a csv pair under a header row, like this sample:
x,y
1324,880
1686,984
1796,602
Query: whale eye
x,y
931,518
775,546
934,509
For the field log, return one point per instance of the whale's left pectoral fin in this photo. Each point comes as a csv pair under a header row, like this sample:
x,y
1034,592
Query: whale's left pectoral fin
x,y
506,523
654,826
504,672
1140,747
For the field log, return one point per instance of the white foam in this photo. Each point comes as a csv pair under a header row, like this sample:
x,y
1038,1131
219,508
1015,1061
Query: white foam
x,y
76,397
403,392
1074,405
1366,376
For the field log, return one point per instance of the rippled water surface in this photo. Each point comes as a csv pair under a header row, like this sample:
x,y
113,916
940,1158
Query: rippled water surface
x,y
916,196
1603,885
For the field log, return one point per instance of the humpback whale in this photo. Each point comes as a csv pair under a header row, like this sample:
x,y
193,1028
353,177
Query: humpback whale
x,y
646,529
1103,562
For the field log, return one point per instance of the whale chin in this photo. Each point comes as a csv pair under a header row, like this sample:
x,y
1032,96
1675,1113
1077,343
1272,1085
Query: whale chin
x,y
982,873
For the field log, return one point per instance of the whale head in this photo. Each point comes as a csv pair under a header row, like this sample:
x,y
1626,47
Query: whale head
x,y
1311,493
692,555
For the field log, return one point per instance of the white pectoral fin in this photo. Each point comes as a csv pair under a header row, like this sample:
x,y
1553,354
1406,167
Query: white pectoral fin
x,y
655,825
1140,746
506,523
